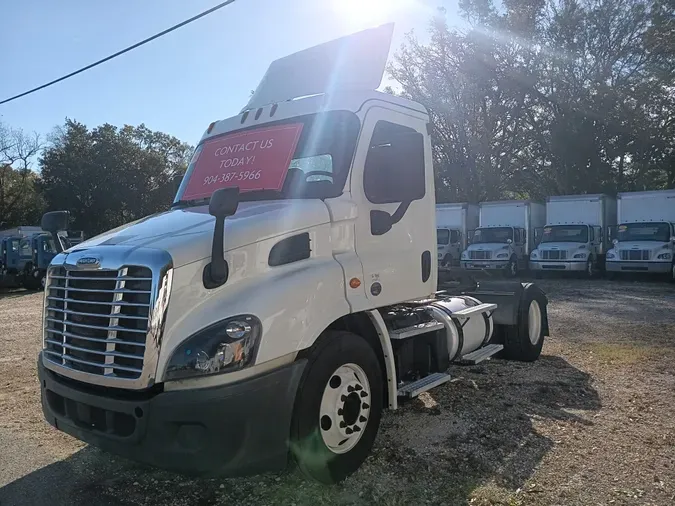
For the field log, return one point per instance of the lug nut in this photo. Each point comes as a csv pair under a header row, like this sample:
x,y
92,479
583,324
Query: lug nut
x,y
365,405
358,387
357,428
362,419
343,425
364,394
348,431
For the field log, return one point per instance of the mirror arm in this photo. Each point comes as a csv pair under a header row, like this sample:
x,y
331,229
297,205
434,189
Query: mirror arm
x,y
400,212
218,269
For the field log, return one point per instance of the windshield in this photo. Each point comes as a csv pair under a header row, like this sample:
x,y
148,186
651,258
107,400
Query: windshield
x,y
442,236
302,157
644,232
565,233
496,234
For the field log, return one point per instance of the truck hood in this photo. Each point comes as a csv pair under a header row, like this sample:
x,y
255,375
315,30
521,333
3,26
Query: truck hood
x,y
561,246
186,234
653,246
488,246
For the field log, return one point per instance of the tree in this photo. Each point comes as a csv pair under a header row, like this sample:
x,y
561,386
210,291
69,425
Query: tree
x,y
20,204
109,176
547,97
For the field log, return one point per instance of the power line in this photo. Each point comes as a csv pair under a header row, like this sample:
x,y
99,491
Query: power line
x,y
126,50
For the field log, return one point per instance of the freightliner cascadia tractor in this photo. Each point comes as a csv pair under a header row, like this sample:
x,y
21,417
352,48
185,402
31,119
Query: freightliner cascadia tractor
x,y
288,296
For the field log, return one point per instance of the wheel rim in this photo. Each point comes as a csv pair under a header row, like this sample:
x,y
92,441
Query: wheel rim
x,y
514,268
589,268
42,282
534,322
345,408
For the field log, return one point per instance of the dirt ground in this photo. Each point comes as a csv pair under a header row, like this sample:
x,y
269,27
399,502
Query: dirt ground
x,y
591,423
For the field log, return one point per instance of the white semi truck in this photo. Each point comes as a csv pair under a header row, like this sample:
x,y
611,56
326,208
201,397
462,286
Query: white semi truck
x,y
454,222
645,239
576,236
277,308
505,237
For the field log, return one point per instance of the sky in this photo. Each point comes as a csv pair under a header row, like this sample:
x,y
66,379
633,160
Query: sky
x,y
178,83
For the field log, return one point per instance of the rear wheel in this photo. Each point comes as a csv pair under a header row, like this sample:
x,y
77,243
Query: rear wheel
x,y
338,407
525,340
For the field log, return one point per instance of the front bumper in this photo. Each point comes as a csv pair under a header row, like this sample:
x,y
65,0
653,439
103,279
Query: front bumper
x,y
654,267
232,430
475,265
552,265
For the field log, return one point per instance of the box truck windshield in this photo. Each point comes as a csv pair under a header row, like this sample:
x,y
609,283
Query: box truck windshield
x,y
442,236
303,157
496,234
644,232
565,233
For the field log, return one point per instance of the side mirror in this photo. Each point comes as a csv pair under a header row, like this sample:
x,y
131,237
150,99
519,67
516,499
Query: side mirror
x,y
380,222
672,239
224,202
55,222
615,242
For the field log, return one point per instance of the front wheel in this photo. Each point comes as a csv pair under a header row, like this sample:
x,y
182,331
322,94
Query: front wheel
x,y
590,269
338,407
672,273
512,268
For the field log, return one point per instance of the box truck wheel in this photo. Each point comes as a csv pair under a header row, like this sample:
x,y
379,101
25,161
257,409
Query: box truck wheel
x,y
447,261
672,273
590,268
524,340
512,268
338,407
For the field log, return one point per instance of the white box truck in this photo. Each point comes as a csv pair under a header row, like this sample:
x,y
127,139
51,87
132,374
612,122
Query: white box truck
x,y
454,222
645,239
576,236
505,237
287,297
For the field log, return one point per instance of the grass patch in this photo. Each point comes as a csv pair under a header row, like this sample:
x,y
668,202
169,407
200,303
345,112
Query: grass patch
x,y
623,354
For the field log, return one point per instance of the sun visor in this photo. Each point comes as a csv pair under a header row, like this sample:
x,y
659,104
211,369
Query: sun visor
x,y
356,61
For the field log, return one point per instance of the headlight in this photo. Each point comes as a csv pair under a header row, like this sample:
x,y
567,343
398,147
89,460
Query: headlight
x,y
611,255
465,255
226,346
665,256
580,255
534,254
503,255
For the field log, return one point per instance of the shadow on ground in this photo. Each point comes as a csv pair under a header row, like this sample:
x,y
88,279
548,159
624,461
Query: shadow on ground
x,y
464,440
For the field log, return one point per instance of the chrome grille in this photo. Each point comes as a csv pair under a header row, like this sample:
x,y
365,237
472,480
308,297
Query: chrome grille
x,y
554,255
480,255
97,321
634,254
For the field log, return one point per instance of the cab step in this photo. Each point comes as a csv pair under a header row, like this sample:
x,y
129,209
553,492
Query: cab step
x,y
414,388
480,354
421,328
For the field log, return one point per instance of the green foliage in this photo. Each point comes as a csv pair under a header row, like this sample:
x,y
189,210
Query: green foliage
x,y
20,203
547,97
109,176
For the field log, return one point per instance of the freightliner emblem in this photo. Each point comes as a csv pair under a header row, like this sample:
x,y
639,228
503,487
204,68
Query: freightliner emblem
x,y
89,263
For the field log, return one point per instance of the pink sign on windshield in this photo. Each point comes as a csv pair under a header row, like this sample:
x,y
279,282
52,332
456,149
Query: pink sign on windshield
x,y
253,160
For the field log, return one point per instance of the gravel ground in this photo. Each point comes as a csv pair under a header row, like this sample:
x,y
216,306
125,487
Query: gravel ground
x,y
592,422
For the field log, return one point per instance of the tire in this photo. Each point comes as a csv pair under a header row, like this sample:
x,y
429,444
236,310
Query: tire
x,y
30,282
523,342
447,261
672,273
327,407
589,273
512,268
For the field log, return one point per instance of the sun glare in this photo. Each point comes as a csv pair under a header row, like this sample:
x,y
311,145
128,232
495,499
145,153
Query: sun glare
x,y
369,12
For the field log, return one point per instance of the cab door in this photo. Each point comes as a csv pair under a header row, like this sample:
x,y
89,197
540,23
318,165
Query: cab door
x,y
392,184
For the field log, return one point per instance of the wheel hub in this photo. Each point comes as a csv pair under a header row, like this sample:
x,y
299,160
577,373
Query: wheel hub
x,y
345,408
534,322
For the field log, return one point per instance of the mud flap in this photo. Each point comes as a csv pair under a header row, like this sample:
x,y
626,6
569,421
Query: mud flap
x,y
510,297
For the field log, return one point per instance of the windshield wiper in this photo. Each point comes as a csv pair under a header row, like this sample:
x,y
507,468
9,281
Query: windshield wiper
x,y
190,203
